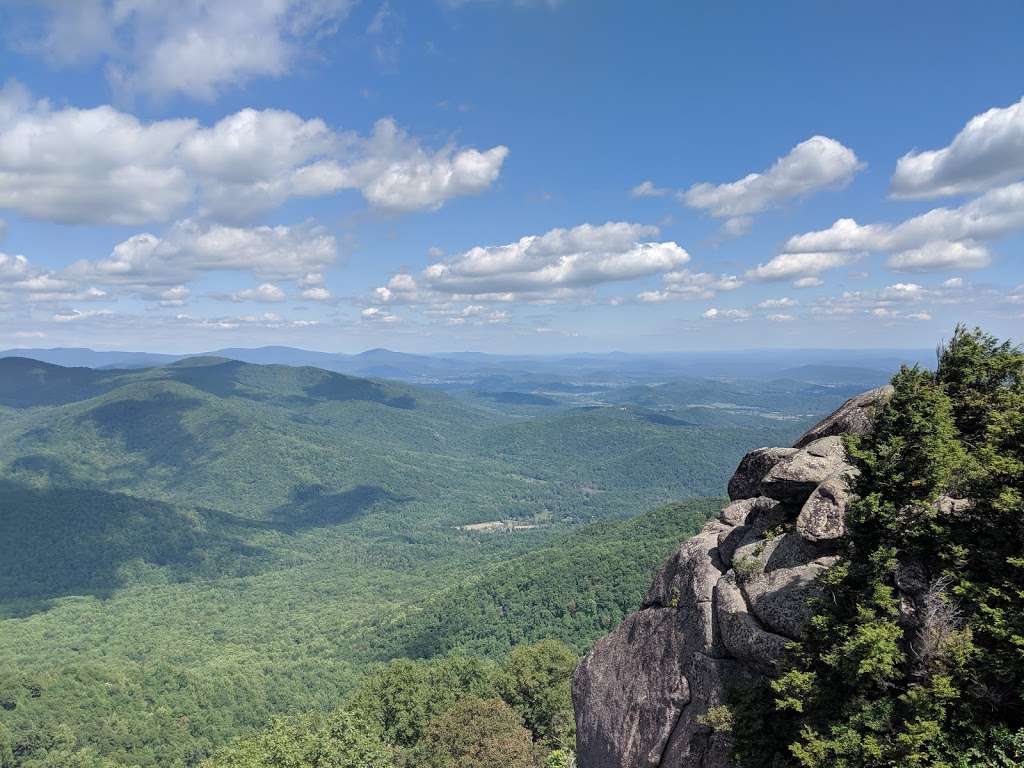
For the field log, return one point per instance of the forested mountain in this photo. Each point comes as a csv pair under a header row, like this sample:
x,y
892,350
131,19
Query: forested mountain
x,y
188,550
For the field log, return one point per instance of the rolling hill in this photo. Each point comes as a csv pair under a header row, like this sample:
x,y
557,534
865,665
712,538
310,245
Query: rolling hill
x,y
189,549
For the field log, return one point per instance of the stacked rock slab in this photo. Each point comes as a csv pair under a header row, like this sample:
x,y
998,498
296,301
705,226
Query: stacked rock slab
x,y
723,607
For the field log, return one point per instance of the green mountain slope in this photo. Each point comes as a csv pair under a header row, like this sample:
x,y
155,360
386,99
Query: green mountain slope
x,y
573,588
186,551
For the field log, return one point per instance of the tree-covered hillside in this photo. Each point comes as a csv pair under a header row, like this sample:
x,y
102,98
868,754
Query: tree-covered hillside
x,y
188,551
916,654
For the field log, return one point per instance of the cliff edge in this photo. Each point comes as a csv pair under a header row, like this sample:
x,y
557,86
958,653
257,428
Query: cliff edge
x,y
723,607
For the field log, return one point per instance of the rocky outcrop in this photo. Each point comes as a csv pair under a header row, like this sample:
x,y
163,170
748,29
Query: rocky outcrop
x,y
723,608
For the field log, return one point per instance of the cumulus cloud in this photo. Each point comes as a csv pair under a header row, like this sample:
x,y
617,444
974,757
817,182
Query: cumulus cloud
x,y
395,173
726,314
75,315
940,255
808,282
811,166
378,315
941,239
268,320
787,266
93,165
318,293
265,293
903,301
18,276
188,247
581,257
196,47
782,303
103,166
988,152
685,284
400,289
175,296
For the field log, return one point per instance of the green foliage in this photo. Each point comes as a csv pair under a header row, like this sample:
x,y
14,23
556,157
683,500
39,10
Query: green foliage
x,y
574,588
403,696
477,733
338,740
718,718
916,654
187,552
6,749
533,680
445,712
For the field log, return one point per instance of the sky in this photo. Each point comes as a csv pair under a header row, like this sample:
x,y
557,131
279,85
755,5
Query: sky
x,y
509,175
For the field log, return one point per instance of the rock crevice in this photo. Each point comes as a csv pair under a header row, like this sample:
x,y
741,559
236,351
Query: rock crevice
x,y
723,608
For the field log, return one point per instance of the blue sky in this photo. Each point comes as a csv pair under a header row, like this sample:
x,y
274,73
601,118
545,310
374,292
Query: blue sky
x,y
509,176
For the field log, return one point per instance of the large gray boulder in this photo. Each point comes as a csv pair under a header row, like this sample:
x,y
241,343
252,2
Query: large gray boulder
x,y
779,577
795,478
687,584
632,708
746,480
854,417
723,608
822,516
743,635
693,743
764,515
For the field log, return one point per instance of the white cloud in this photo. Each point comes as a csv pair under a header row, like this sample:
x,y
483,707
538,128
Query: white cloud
x,y
378,315
196,47
311,280
904,292
394,173
317,294
795,265
728,314
989,151
3,230
813,165
903,301
76,315
894,314
149,264
175,296
14,268
808,282
103,166
93,165
684,284
648,189
268,320
264,293
400,289
581,257
782,303
942,238
940,255
37,285
780,317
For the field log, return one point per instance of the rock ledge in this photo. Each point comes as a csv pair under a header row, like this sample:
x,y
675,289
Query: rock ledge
x,y
723,607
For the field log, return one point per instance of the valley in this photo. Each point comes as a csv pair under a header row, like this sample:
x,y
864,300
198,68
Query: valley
x,y
190,549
